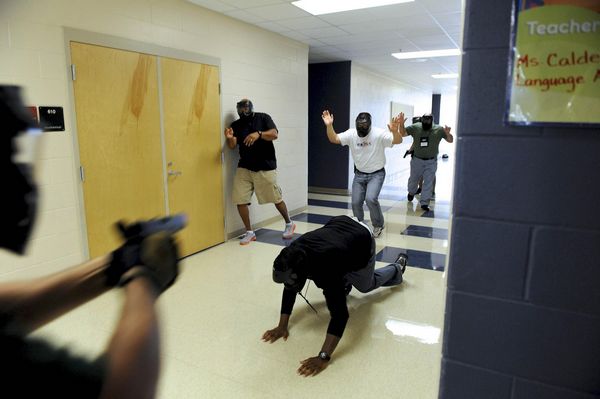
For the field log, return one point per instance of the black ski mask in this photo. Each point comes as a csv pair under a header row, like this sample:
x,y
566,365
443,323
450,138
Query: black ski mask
x,y
287,268
427,121
245,108
18,213
363,124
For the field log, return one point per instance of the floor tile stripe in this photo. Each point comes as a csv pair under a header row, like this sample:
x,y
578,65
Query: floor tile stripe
x,y
340,205
420,259
427,232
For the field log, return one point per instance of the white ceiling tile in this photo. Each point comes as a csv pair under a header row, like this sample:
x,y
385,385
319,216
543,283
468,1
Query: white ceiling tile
x,y
435,41
423,22
449,19
375,26
321,33
410,33
452,64
435,6
244,16
305,23
347,17
297,36
457,37
274,26
398,11
367,37
278,12
338,40
315,43
252,3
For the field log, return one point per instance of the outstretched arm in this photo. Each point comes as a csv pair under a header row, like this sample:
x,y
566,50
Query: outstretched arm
x,y
288,298
336,303
281,331
29,305
397,128
331,134
447,136
133,355
314,365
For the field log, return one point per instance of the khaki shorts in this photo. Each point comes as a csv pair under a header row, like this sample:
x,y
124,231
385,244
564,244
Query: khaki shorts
x,y
263,183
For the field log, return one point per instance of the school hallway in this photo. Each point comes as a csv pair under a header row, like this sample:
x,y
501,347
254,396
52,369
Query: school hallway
x,y
225,299
500,298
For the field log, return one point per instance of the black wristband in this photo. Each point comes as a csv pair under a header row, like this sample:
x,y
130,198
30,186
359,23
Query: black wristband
x,y
259,134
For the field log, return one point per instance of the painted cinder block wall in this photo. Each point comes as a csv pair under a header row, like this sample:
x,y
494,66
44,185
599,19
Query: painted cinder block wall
x,y
523,302
269,68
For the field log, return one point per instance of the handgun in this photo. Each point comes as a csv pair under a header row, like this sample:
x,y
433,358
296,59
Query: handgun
x,y
142,229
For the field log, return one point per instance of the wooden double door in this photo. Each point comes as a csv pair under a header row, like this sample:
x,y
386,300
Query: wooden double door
x,y
131,167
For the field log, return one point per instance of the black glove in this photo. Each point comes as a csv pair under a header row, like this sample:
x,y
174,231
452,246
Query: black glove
x,y
159,261
123,259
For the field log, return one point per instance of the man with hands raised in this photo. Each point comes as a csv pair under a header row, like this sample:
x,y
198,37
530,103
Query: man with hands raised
x,y
367,146
423,164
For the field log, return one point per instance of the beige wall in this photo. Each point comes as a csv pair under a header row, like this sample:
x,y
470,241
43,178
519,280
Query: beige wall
x,y
266,67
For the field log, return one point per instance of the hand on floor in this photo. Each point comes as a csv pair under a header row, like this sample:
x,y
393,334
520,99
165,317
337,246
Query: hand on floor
x,y
276,333
312,366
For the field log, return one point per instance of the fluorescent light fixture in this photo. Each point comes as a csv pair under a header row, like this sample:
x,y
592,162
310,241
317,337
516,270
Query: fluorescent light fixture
x,y
445,76
427,54
318,7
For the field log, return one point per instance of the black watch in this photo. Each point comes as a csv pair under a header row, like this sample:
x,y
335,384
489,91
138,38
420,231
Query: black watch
x,y
324,356
259,134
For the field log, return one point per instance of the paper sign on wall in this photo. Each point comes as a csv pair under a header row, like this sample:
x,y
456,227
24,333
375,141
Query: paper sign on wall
x,y
555,63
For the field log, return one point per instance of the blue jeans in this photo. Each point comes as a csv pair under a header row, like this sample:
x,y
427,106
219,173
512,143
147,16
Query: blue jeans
x,y
368,186
368,278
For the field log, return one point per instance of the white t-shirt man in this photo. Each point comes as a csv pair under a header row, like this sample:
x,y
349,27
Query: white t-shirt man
x,y
368,152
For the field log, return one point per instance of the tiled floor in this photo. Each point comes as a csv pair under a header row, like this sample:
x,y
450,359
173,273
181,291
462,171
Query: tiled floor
x,y
214,316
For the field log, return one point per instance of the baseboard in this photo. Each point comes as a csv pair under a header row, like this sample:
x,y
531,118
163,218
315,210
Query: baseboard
x,y
325,190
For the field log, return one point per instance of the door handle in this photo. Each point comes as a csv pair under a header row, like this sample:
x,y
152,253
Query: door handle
x,y
174,173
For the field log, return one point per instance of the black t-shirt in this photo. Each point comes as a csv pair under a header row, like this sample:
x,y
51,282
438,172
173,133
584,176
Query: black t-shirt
x,y
35,369
334,250
261,154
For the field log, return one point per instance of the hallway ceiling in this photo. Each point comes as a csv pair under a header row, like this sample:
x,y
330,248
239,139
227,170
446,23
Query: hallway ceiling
x,y
366,37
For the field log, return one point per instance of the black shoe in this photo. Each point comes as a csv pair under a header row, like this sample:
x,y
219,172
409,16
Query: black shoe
x,y
402,261
425,208
347,289
410,196
418,191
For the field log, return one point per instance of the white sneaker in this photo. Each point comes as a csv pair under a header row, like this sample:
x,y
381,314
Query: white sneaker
x,y
248,238
289,230
377,231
